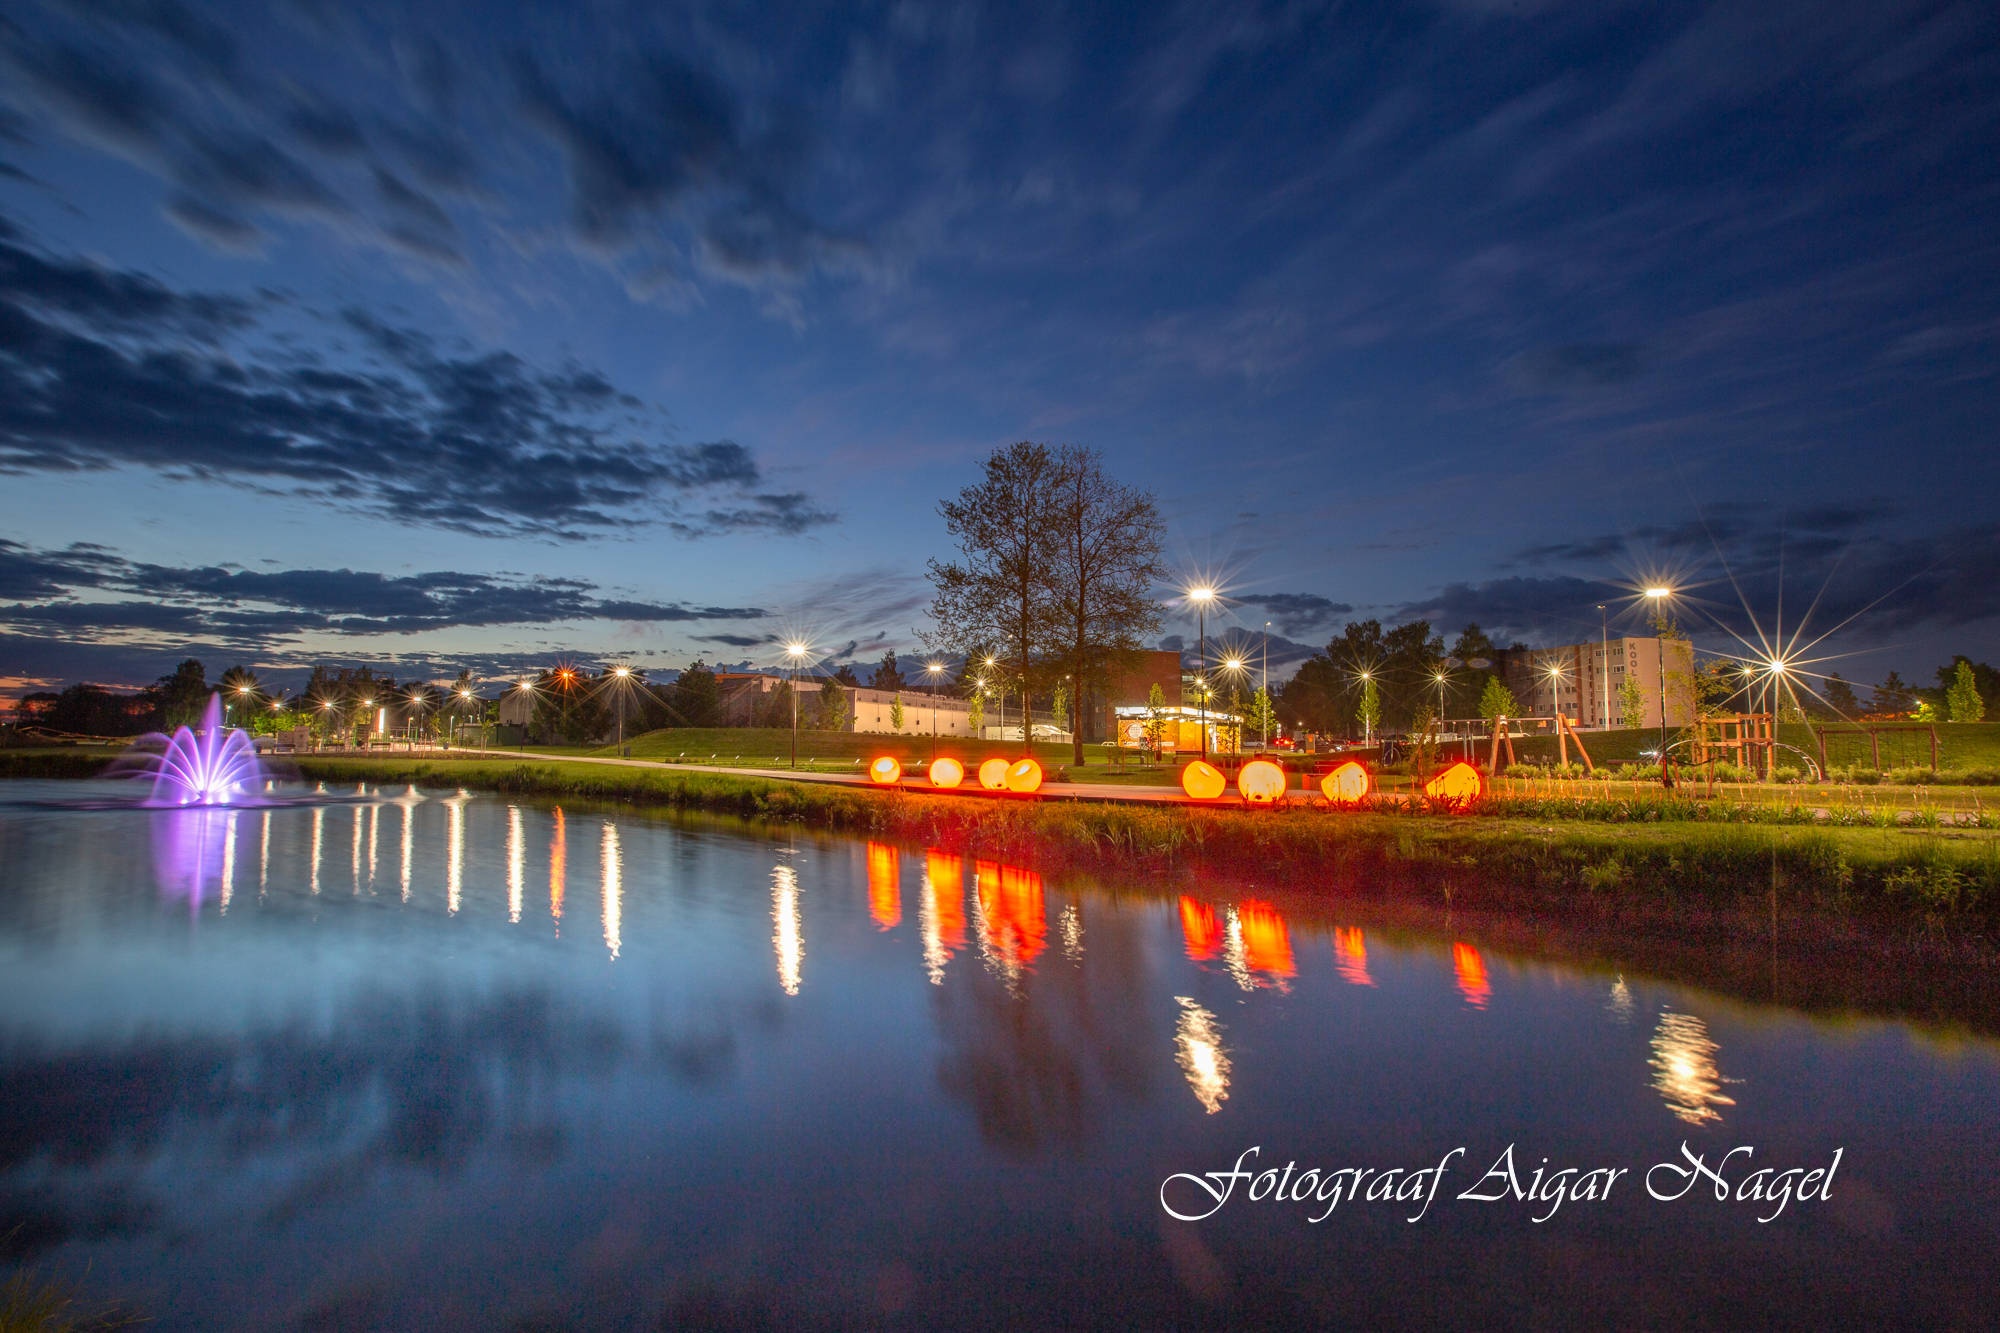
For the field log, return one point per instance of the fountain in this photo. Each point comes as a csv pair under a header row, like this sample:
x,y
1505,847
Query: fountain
x,y
209,767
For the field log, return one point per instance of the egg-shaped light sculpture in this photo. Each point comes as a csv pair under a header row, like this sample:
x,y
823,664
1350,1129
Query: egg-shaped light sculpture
x,y
1024,775
1460,782
1202,780
885,770
993,775
947,773
1346,784
1261,782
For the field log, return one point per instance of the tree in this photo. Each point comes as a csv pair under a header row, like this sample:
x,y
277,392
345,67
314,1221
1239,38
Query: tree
x,y
1840,698
896,711
1156,725
1631,706
844,673
1259,716
1059,712
178,700
1000,592
1103,559
975,717
1497,701
244,697
1473,647
697,696
1963,696
1409,668
887,676
832,705
1369,712
1892,696
567,708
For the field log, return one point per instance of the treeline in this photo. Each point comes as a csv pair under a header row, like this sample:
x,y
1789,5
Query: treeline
x,y
1966,691
1392,680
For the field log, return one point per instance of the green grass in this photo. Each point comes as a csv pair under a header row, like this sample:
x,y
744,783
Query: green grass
x,y
1961,745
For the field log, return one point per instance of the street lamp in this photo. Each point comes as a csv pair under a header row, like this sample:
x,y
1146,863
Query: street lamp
x,y
933,670
621,673
1367,722
1604,662
1659,596
1201,598
1000,693
795,651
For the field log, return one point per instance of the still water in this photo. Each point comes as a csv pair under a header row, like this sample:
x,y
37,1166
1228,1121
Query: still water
x,y
398,1059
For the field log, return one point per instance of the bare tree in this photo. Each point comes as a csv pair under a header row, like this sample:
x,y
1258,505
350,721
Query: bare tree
x,y
999,594
1104,557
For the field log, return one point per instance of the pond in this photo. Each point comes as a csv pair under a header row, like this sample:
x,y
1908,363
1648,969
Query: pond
x,y
422,1058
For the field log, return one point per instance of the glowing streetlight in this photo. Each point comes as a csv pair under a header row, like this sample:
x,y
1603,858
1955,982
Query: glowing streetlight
x,y
934,670
796,652
1201,597
1659,598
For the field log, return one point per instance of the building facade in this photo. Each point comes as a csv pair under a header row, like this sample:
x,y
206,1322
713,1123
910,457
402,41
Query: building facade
x,y
1581,679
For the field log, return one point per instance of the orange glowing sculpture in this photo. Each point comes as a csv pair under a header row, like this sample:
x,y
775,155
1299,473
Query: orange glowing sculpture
x,y
947,773
1202,780
1460,782
885,885
1350,956
1261,782
1204,937
885,770
945,883
1024,776
1267,947
993,775
1012,920
1471,970
1347,784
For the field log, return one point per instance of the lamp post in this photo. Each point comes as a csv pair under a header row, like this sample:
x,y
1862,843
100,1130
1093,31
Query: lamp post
x,y
1000,693
795,651
932,671
1234,666
1367,722
1202,597
1604,662
1659,596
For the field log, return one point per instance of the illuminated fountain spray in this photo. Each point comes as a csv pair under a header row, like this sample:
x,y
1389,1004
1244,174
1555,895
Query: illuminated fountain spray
x,y
207,768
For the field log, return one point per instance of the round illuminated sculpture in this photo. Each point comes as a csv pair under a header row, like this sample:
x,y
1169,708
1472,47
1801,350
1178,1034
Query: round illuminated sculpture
x,y
1347,783
885,770
947,773
1024,775
1261,782
1461,782
1202,780
993,775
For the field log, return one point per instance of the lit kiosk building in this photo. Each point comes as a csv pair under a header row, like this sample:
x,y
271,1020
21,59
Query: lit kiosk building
x,y
1126,711
1578,679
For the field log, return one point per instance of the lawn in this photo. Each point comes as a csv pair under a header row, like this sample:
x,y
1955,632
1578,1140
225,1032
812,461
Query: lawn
x,y
1960,745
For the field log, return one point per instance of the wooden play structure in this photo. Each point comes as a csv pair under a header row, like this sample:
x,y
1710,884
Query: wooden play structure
x,y
1746,738
1565,733
1874,735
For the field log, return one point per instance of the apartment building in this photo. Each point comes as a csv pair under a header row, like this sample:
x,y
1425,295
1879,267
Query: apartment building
x,y
1584,681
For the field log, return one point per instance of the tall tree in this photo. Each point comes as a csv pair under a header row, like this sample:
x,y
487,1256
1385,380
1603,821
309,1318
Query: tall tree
x,y
1840,698
697,696
1103,559
1963,696
887,676
1893,696
998,592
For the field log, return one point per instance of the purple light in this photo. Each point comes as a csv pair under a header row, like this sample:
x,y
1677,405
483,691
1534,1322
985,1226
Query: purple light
x,y
205,768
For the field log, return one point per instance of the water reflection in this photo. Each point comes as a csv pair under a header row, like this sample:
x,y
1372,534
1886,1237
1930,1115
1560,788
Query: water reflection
x,y
942,913
1199,928
1350,956
1470,970
264,856
191,848
1267,946
1199,1050
454,883
228,860
409,836
517,863
355,855
374,837
787,937
1620,1002
1013,924
885,885
318,825
558,858
1072,933
614,887
1684,1070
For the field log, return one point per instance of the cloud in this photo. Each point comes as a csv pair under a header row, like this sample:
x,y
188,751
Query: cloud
x,y
1578,366
1297,612
262,610
96,372
736,640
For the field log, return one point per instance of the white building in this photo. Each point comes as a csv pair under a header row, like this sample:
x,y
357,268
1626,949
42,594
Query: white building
x,y
868,711
1579,678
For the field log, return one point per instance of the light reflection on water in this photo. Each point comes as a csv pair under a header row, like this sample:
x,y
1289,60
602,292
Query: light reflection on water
x,y
667,1102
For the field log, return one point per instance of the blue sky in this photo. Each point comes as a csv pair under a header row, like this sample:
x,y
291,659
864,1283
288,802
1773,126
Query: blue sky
x,y
469,335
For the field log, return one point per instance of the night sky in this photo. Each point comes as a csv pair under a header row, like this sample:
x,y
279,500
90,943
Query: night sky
x,y
475,335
